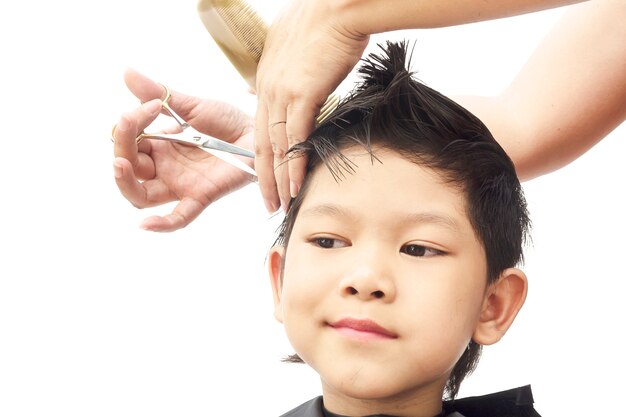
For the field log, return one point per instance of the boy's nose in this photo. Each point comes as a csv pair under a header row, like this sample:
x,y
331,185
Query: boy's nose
x,y
368,283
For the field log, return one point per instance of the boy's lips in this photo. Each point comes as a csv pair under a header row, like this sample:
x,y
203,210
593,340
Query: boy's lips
x,y
362,329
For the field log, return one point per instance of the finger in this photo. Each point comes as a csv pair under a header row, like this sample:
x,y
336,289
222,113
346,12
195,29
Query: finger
x,y
183,214
125,144
124,138
140,195
145,168
300,124
217,119
143,87
264,160
296,166
130,126
146,89
278,140
282,179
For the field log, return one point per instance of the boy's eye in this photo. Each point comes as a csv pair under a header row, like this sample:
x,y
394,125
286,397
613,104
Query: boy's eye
x,y
328,242
419,250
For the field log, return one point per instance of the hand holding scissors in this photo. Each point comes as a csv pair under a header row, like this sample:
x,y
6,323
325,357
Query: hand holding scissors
x,y
191,137
153,169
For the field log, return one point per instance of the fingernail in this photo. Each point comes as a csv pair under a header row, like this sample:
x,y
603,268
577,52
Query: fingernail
x,y
293,189
117,170
152,107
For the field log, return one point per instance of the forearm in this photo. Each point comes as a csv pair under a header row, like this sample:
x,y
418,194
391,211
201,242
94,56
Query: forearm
x,y
570,94
367,17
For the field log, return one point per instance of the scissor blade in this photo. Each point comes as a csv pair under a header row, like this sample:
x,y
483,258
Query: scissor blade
x,y
231,159
220,145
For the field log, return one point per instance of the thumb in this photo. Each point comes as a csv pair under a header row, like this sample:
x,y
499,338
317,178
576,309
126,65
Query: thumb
x,y
142,87
145,89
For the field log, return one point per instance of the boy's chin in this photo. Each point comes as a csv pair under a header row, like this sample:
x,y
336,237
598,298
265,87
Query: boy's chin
x,y
380,388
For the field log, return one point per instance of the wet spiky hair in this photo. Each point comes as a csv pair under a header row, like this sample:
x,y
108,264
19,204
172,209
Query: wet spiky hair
x,y
389,109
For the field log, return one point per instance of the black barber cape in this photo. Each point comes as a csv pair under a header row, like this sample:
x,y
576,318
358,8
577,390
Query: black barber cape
x,y
517,402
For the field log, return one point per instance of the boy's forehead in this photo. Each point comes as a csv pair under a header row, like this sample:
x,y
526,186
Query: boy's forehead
x,y
386,180
356,164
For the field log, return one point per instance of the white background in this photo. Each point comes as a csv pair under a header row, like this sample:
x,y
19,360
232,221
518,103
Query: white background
x,y
99,318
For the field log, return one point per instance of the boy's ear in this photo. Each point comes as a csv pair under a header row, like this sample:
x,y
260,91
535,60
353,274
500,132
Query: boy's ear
x,y
276,259
503,300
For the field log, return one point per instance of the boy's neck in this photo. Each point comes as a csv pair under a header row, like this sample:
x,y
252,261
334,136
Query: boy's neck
x,y
327,413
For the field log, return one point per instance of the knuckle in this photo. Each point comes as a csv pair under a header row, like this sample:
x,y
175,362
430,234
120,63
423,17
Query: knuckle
x,y
179,220
261,149
294,92
279,152
293,140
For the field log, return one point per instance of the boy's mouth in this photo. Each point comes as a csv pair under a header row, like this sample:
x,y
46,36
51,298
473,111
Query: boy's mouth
x,y
362,329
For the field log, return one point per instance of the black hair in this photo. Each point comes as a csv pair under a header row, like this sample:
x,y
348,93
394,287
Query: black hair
x,y
392,110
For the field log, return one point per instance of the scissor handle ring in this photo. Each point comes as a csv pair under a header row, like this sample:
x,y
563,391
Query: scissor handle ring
x,y
168,94
165,101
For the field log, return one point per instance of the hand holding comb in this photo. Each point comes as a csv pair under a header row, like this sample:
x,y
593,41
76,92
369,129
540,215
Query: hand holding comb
x,y
240,33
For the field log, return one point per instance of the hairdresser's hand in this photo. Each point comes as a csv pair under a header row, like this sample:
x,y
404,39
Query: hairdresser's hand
x,y
309,51
157,172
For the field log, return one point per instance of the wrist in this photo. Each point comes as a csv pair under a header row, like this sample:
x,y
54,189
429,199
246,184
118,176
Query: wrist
x,y
352,17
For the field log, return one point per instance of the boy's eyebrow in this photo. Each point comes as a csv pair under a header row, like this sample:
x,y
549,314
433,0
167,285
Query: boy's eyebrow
x,y
433,218
320,210
333,210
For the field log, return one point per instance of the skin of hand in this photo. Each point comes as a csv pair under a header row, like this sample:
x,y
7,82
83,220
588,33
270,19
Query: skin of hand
x,y
155,172
304,41
310,49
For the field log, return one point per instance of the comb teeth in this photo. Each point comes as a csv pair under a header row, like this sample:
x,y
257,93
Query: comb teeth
x,y
329,106
244,23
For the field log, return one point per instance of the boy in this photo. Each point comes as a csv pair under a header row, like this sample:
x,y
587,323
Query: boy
x,y
395,262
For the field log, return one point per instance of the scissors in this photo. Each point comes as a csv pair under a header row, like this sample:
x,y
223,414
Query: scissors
x,y
191,137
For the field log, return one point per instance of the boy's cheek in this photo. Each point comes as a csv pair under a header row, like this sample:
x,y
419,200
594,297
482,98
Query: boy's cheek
x,y
304,297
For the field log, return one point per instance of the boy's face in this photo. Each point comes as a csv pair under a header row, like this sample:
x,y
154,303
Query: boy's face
x,y
384,281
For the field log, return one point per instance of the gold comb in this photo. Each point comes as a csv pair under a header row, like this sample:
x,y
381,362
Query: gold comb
x,y
240,33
